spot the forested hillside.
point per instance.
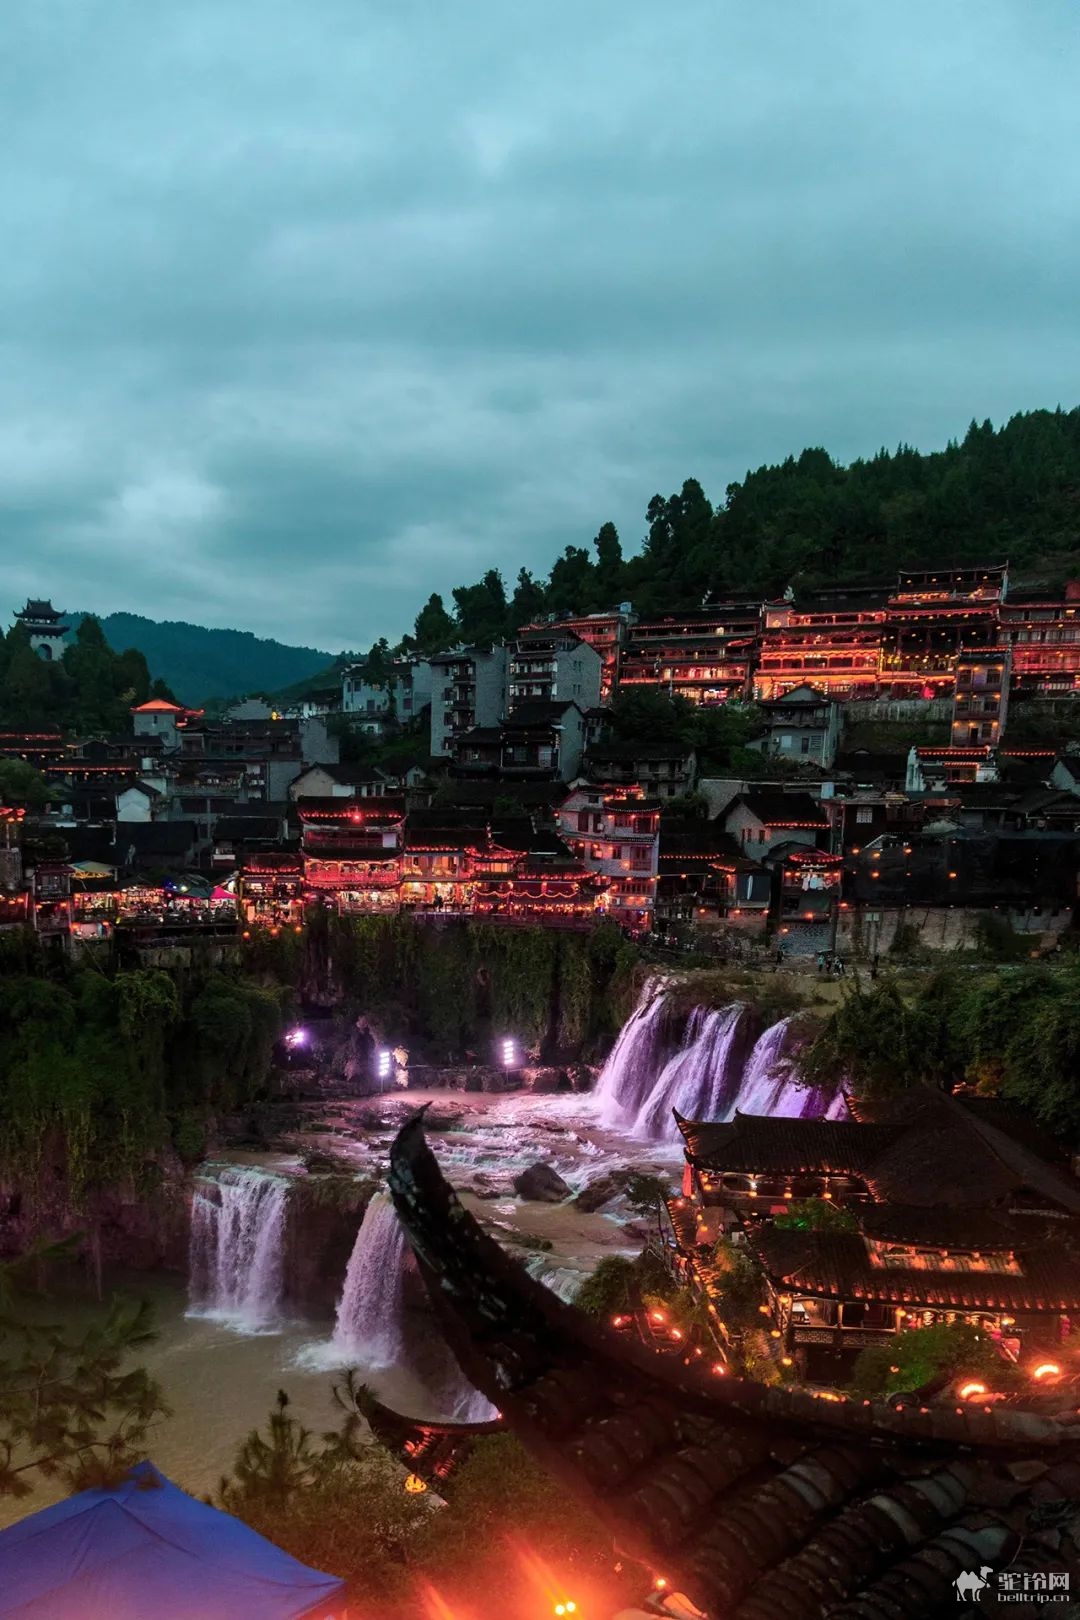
(1009, 493)
(198, 663)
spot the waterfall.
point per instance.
(702, 1080)
(712, 1073)
(236, 1248)
(370, 1323)
(626, 1079)
(770, 1082)
(373, 1328)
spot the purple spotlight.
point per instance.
(296, 1037)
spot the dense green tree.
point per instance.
(609, 566)
(434, 629)
(91, 665)
(131, 677)
(71, 1406)
(922, 1356)
(571, 586)
(31, 693)
(22, 785)
(529, 601)
(645, 715)
(815, 1215)
(379, 663)
(481, 609)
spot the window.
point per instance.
(804, 745)
(864, 814)
(785, 739)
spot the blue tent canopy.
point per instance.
(147, 1549)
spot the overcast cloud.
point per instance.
(310, 309)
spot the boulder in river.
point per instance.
(602, 1190)
(541, 1184)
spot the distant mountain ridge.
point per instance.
(199, 664)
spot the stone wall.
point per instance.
(862, 931)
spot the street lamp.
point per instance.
(383, 1065)
(296, 1037)
(508, 1053)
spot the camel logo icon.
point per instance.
(970, 1583)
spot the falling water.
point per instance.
(712, 1073)
(370, 1322)
(702, 1080)
(626, 1078)
(236, 1248)
(373, 1327)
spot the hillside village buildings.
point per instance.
(521, 805)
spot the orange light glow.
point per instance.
(658, 1316)
(1046, 1369)
(660, 1583)
(969, 1391)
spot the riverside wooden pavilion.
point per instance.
(961, 1213)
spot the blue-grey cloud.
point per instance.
(307, 311)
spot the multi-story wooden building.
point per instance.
(606, 632)
(956, 1211)
(615, 832)
(706, 657)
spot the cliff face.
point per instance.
(140, 1223)
(323, 1216)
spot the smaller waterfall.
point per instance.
(373, 1325)
(627, 1078)
(236, 1248)
(371, 1311)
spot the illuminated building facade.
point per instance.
(352, 851)
(948, 1219)
(1043, 630)
(980, 697)
(835, 649)
(615, 833)
(270, 889)
(705, 657)
(553, 664)
(606, 633)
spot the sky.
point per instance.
(309, 310)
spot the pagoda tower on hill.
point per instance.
(46, 631)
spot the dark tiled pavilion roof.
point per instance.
(837, 1265)
(935, 1153)
(756, 1502)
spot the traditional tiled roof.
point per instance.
(536, 714)
(755, 1502)
(935, 1153)
(837, 1265)
(988, 1230)
(756, 1143)
(776, 808)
